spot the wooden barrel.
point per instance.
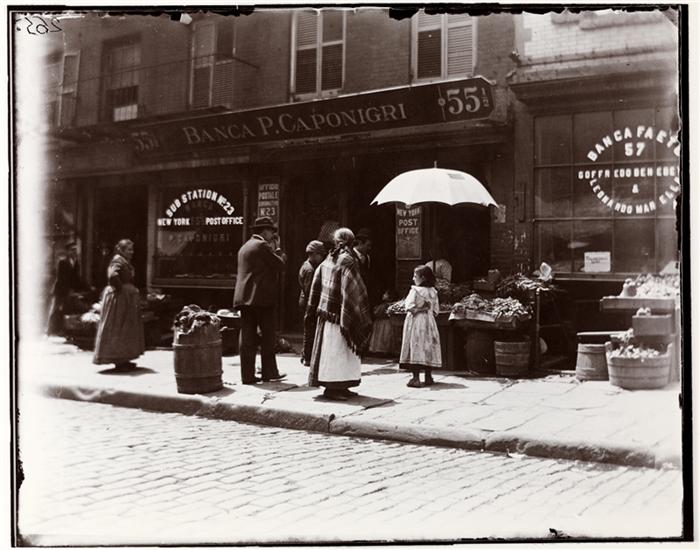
(198, 361)
(479, 351)
(639, 374)
(512, 358)
(591, 363)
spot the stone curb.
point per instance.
(467, 439)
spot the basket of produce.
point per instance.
(397, 313)
(197, 351)
(635, 367)
(507, 312)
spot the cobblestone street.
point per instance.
(96, 474)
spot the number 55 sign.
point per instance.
(465, 99)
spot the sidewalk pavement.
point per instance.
(554, 417)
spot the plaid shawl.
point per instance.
(338, 295)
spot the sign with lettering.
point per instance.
(198, 232)
(408, 233)
(269, 199)
(596, 262)
(638, 182)
(457, 100)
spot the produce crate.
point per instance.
(622, 303)
(480, 316)
(652, 325)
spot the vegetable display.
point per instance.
(658, 286)
(635, 352)
(499, 308)
(192, 317)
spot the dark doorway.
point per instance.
(121, 212)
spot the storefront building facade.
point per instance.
(177, 135)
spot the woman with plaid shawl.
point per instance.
(338, 296)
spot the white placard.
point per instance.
(596, 262)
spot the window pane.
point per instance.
(633, 192)
(589, 130)
(667, 243)
(667, 188)
(552, 245)
(590, 236)
(332, 22)
(634, 245)
(642, 149)
(332, 67)
(306, 71)
(666, 119)
(429, 60)
(593, 188)
(224, 38)
(553, 193)
(553, 140)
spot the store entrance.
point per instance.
(120, 213)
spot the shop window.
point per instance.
(121, 81)
(443, 46)
(606, 183)
(213, 47)
(62, 79)
(319, 52)
(199, 230)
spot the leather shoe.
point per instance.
(251, 382)
(278, 376)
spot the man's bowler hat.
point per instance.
(264, 223)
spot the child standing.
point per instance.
(383, 340)
(420, 349)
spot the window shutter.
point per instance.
(429, 58)
(223, 84)
(200, 87)
(426, 21)
(307, 28)
(332, 67)
(306, 53)
(70, 72)
(460, 50)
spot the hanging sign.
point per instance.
(269, 199)
(636, 184)
(408, 233)
(452, 101)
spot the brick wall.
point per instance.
(378, 50)
(595, 32)
(495, 41)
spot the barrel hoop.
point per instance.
(213, 344)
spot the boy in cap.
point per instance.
(316, 252)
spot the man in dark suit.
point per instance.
(260, 260)
(68, 281)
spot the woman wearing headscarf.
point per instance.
(315, 251)
(338, 297)
(120, 335)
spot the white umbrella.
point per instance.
(434, 185)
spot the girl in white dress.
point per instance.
(420, 349)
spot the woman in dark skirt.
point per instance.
(120, 335)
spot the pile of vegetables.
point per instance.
(449, 293)
(635, 352)
(658, 286)
(498, 307)
(192, 317)
(397, 307)
(519, 285)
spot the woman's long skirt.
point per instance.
(120, 335)
(333, 364)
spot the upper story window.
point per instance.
(122, 63)
(62, 78)
(319, 52)
(213, 48)
(443, 46)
